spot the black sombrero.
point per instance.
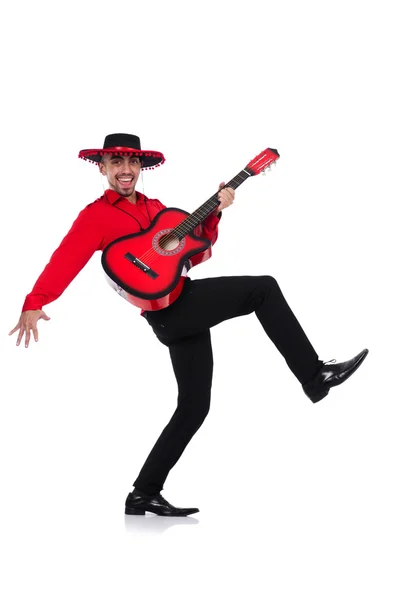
(124, 144)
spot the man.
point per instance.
(183, 326)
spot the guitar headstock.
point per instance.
(263, 161)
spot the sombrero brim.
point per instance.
(152, 158)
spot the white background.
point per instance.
(296, 500)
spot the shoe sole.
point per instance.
(320, 396)
(134, 511)
(141, 511)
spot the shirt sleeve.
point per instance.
(73, 253)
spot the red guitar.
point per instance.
(146, 268)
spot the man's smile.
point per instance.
(125, 181)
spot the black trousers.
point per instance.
(184, 327)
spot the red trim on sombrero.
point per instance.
(121, 151)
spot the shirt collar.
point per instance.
(113, 196)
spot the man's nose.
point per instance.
(127, 165)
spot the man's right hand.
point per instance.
(27, 323)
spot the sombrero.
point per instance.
(124, 144)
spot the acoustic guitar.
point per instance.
(147, 268)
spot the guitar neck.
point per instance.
(198, 216)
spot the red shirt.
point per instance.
(98, 224)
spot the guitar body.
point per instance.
(145, 268)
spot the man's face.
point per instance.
(122, 172)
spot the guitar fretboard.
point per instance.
(205, 209)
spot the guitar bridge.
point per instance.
(141, 265)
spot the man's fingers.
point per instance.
(227, 196)
(20, 336)
(27, 326)
(225, 192)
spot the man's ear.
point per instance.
(102, 168)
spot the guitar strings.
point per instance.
(184, 227)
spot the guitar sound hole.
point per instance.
(168, 242)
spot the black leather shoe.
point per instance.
(329, 376)
(138, 503)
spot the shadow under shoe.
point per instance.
(331, 375)
(137, 503)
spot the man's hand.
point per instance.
(27, 323)
(225, 196)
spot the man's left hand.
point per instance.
(225, 196)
